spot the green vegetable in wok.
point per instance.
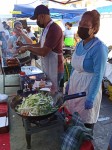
(36, 105)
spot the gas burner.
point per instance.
(44, 122)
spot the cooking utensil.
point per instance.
(18, 100)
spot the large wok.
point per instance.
(18, 100)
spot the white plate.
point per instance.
(47, 84)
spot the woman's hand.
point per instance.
(88, 105)
(20, 31)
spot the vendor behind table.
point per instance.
(20, 35)
(49, 47)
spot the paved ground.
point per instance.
(103, 129)
(50, 139)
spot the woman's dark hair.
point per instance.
(68, 23)
(95, 17)
(28, 28)
(5, 25)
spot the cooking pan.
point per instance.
(58, 103)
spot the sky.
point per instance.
(7, 5)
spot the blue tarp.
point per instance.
(66, 14)
(27, 11)
(74, 20)
(105, 9)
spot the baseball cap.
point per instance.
(40, 9)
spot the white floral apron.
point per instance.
(79, 82)
(49, 63)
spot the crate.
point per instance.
(10, 80)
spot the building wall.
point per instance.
(105, 32)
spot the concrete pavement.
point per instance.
(103, 128)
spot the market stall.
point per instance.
(34, 102)
(9, 67)
(41, 111)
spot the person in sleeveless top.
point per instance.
(49, 47)
(88, 63)
(69, 35)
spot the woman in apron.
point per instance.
(88, 62)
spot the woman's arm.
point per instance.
(99, 62)
(25, 36)
(10, 46)
(9, 43)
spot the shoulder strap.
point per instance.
(97, 41)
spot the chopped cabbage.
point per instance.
(36, 105)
